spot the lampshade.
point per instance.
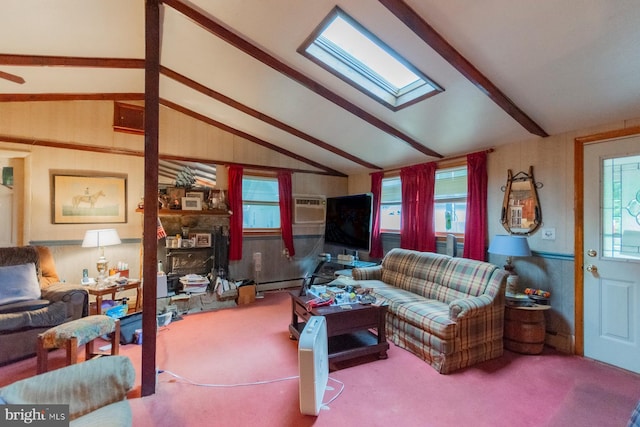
(100, 238)
(510, 245)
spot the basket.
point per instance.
(164, 319)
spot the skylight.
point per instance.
(347, 50)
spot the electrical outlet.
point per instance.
(548, 234)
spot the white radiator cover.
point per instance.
(313, 364)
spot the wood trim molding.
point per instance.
(269, 60)
(578, 247)
(430, 36)
(578, 273)
(612, 134)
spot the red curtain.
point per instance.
(286, 207)
(376, 238)
(235, 220)
(475, 231)
(417, 230)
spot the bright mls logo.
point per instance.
(35, 415)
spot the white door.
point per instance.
(612, 252)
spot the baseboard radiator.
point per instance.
(275, 286)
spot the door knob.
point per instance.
(592, 268)
(592, 253)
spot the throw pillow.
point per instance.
(18, 283)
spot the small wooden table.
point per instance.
(525, 328)
(99, 293)
(350, 331)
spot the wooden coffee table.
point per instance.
(353, 332)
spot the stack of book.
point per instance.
(194, 283)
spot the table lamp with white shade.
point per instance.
(510, 246)
(99, 239)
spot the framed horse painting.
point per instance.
(88, 197)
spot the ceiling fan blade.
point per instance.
(11, 77)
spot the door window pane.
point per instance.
(621, 207)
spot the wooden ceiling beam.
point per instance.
(134, 63)
(271, 61)
(140, 97)
(438, 43)
(11, 77)
(70, 61)
(263, 117)
(140, 153)
(247, 136)
(27, 97)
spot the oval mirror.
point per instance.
(521, 213)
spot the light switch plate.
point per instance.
(548, 234)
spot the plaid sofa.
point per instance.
(448, 311)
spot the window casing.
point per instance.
(260, 204)
(450, 202)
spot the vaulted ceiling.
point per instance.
(511, 71)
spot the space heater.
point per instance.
(313, 364)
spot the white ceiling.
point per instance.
(567, 65)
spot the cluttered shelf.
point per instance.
(162, 212)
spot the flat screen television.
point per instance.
(348, 221)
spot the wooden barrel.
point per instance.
(524, 330)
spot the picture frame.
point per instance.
(86, 197)
(191, 204)
(176, 193)
(196, 193)
(202, 240)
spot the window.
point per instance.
(260, 203)
(346, 49)
(450, 201)
(621, 207)
(390, 204)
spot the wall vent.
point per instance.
(309, 209)
(128, 118)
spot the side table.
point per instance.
(99, 293)
(524, 328)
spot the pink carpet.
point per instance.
(251, 344)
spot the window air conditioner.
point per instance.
(309, 209)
